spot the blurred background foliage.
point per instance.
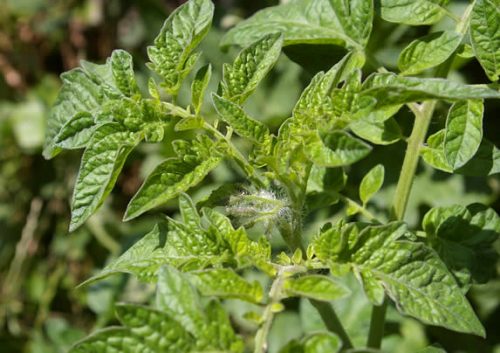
(41, 310)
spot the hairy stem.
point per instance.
(423, 116)
(269, 311)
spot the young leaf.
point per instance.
(486, 161)
(177, 298)
(225, 283)
(316, 287)
(428, 51)
(464, 132)
(371, 183)
(76, 133)
(464, 237)
(413, 12)
(377, 132)
(485, 36)
(309, 22)
(240, 79)
(119, 339)
(143, 259)
(175, 175)
(335, 149)
(183, 30)
(79, 93)
(199, 86)
(146, 330)
(322, 343)
(101, 164)
(411, 273)
(160, 332)
(123, 72)
(390, 89)
(242, 124)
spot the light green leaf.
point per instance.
(485, 36)
(182, 31)
(433, 152)
(413, 12)
(240, 79)
(178, 299)
(464, 237)
(160, 332)
(143, 259)
(79, 93)
(335, 149)
(378, 132)
(101, 164)
(322, 343)
(464, 132)
(428, 51)
(390, 89)
(146, 330)
(218, 334)
(242, 124)
(76, 133)
(309, 22)
(411, 273)
(316, 287)
(112, 339)
(486, 161)
(225, 283)
(175, 175)
(123, 72)
(371, 183)
(199, 86)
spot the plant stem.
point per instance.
(416, 140)
(269, 311)
(332, 322)
(423, 116)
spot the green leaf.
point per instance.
(428, 51)
(413, 12)
(143, 259)
(101, 164)
(316, 287)
(376, 131)
(225, 283)
(322, 343)
(123, 72)
(485, 36)
(199, 86)
(242, 124)
(218, 334)
(464, 237)
(309, 22)
(160, 332)
(433, 152)
(182, 31)
(464, 132)
(371, 183)
(77, 132)
(411, 273)
(175, 175)
(112, 339)
(486, 161)
(146, 330)
(79, 93)
(178, 299)
(390, 89)
(335, 149)
(240, 79)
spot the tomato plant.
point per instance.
(201, 258)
